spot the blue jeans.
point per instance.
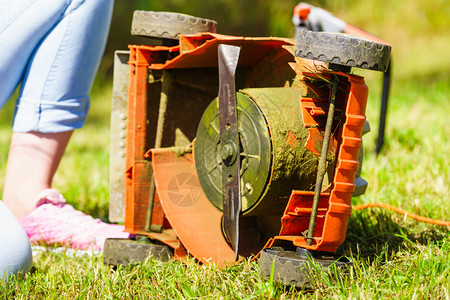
(15, 250)
(54, 48)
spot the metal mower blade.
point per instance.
(229, 143)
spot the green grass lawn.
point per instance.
(393, 257)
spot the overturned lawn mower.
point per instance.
(225, 147)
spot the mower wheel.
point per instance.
(168, 25)
(125, 251)
(342, 49)
(298, 267)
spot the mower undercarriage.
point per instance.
(221, 177)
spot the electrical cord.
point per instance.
(402, 212)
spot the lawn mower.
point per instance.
(226, 147)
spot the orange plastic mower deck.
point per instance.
(191, 223)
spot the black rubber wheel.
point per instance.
(168, 25)
(126, 251)
(297, 267)
(342, 49)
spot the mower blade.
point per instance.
(229, 143)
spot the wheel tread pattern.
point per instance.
(342, 49)
(286, 271)
(168, 25)
(290, 269)
(126, 251)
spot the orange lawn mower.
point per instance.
(227, 147)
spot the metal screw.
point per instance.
(226, 152)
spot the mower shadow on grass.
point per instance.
(371, 233)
